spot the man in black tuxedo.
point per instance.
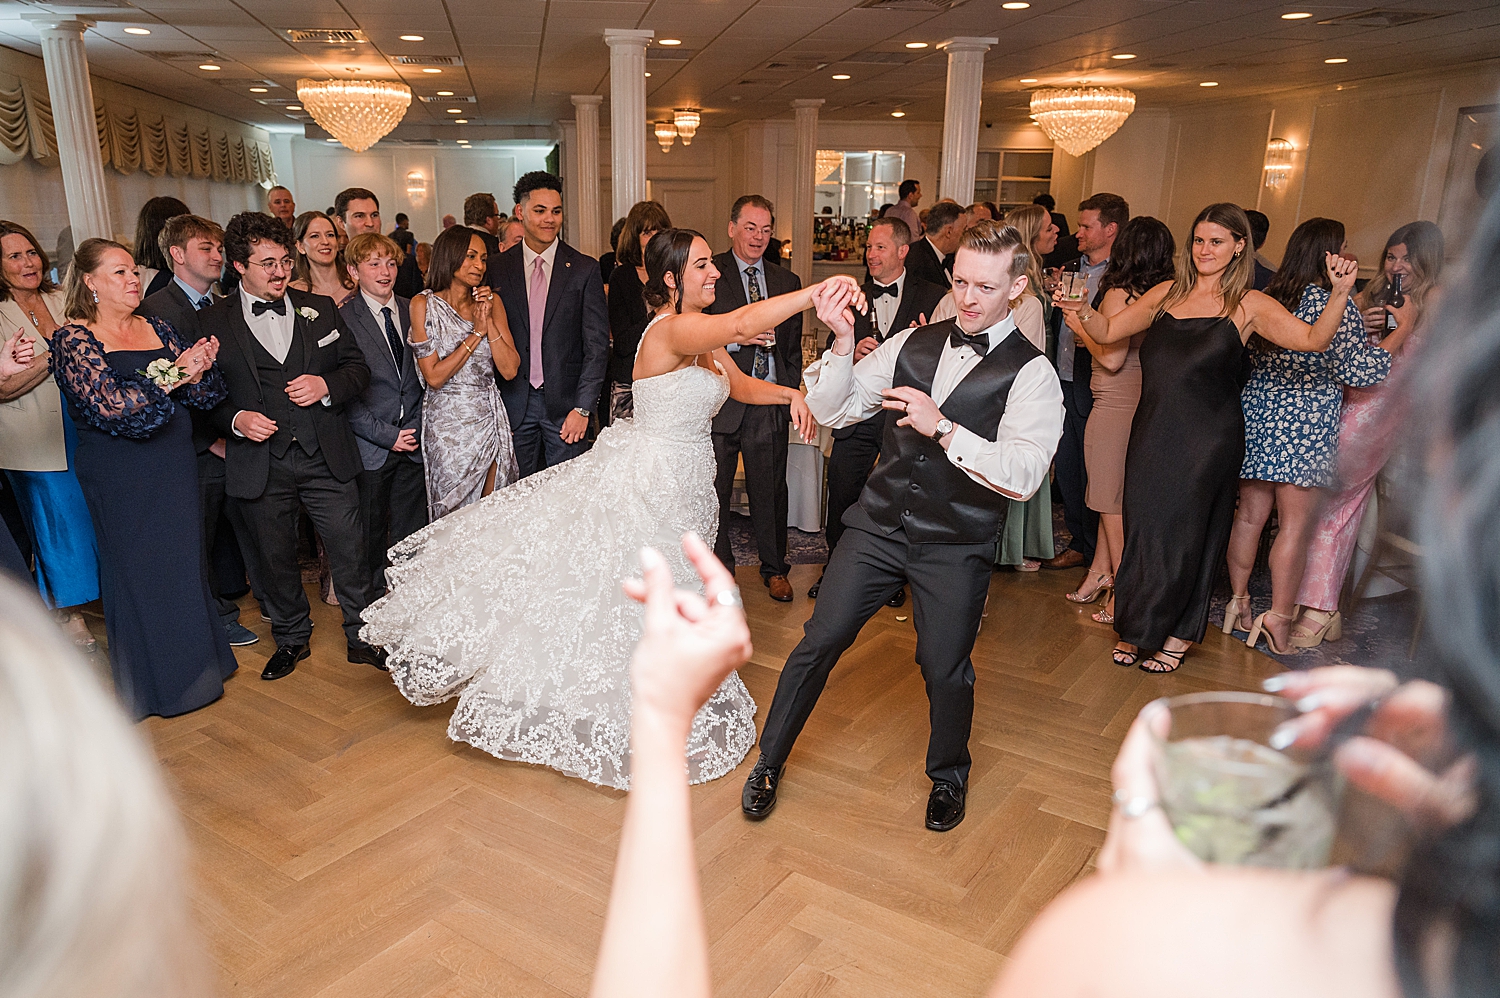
(897, 300)
(930, 257)
(387, 417)
(554, 301)
(756, 432)
(359, 212)
(195, 248)
(482, 214)
(292, 368)
(978, 413)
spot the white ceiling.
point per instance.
(520, 59)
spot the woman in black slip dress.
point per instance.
(1188, 437)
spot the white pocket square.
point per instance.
(329, 338)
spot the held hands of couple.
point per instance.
(689, 643)
(835, 301)
(406, 442)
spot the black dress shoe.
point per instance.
(945, 806)
(368, 655)
(812, 591)
(898, 598)
(281, 664)
(759, 795)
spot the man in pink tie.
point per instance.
(554, 301)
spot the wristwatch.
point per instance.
(583, 412)
(944, 427)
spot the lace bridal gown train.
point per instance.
(513, 604)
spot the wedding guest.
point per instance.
(125, 379)
(1067, 243)
(1187, 440)
(1100, 218)
(319, 269)
(1260, 227)
(1292, 404)
(402, 235)
(930, 257)
(387, 417)
(424, 258)
(195, 248)
(1368, 427)
(15, 355)
(482, 214)
(358, 210)
(608, 261)
(628, 314)
(461, 340)
(908, 196)
(511, 233)
(554, 303)
(152, 266)
(280, 205)
(291, 369)
(449, 222)
(1141, 258)
(756, 434)
(37, 440)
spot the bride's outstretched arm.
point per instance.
(693, 333)
(753, 391)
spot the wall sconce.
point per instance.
(1278, 163)
(687, 120)
(666, 134)
(416, 187)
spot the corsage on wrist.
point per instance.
(164, 373)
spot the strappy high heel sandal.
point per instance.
(1123, 657)
(1331, 628)
(1232, 613)
(1156, 663)
(1106, 613)
(1106, 583)
(1258, 629)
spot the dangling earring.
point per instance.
(96, 297)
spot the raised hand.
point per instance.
(17, 355)
(857, 299)
(918, 409)
(833, 303)
(1341, 272)
(483, 304)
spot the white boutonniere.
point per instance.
(163, 373)
(310, 314)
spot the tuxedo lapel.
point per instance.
(242, 332)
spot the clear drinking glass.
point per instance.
(1075, 286)
(1230, 797)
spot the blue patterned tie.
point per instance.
(203, 303)
(392, 336)
(761, 368)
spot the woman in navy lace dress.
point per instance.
(138, 470)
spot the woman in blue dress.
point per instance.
(1291, 404)
(123, 378)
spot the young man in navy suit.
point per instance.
(387, 417)
(554, 301)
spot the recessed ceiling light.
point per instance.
(1015, 6)
(460, 121)
(294, 107)
(1029, 79)
(209, 67)
(445, 93)
(1335, 62)
(138, 31)
(330, 140)
(1123, 55)
(840, 76)
(916, 45)
(1296, 15)
(898, 114)
(432, 69)
(670, 41)
(259, 90)
(1209, 83)
(648, 75)
(412, 38)
(455, 110)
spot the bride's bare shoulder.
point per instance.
(1224, 931)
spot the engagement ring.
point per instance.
(1133, 807)
(730, 597)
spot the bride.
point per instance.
(514, 604)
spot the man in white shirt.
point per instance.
(979, 413)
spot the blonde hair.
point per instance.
(91, 852)
(995, 238)
(78, 299)
(1031, 221)
(1236, 279)
(1424, 253)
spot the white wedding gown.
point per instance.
(513, 604)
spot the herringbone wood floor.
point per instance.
(345, 847)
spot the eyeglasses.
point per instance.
(272, 266)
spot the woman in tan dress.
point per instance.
(1141, 259)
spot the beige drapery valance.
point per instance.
(130, 141)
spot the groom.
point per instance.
(980, 413)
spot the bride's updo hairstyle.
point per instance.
(667, 253)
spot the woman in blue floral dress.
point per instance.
(1291, 404)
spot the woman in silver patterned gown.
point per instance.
(514, 605)
(460, 338)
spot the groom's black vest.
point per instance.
(915, 486)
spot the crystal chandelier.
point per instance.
(1079, 118)
(1278, 165)
(687, 120)
(666, 134)
(359, 113)
(826, 162)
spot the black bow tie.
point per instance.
(979, 342)
(278, 306)
(880, 292)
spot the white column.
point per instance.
(627, 117)
(587, 160)
(72, 98)
(804, 182)
(961, 115)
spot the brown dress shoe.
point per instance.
(781, 589)
(1068, 559)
